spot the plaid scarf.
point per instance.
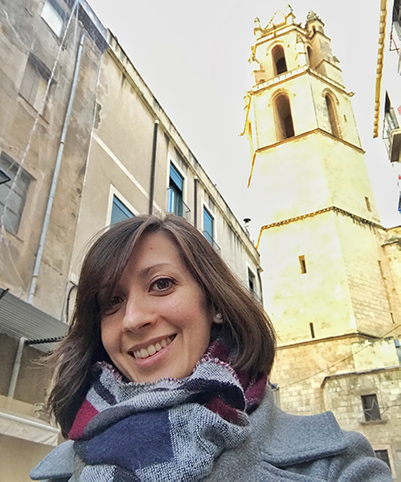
(168, 430)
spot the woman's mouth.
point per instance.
(154, 348)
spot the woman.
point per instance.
(163, 374)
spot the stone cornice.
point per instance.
(379, 64)
(328, 339)
(293, 74)
(335, 209)
(359, 373)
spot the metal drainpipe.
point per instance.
(56, 172)
(153, 168)
(16, 367)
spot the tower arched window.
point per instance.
(285, 125)
(332, 116)
(280, 65)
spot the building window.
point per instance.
(175, 193)
(12, 194)
(119, 212)
(302, 264)
(34, 82)
(312, 330)
(4, 177)
(383, 455)
(208, 226)
(399, 204)
(368, 205)
(54, 16)
(280, 65)
(332, 116)
(397, 17)
(370, 406)
(284, 118)
(251, 281)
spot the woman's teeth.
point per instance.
(152, 349)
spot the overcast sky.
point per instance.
(194, 57)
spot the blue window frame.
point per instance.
(119, 211)
(176, 186)
(208, 226)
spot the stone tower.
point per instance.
(328, 282)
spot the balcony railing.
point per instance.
(256, 296)
(211, 241)
(178, 207)
(392, 135)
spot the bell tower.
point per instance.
(305, 145)
(326, 277)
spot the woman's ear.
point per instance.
(218, 319)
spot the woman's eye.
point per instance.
(115, 300)
(162, 284)
(113, 303)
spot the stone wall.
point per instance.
(342, 394)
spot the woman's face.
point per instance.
(158, 324)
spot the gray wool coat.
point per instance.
(281, 447)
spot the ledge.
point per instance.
(374, 422)
(29, 429)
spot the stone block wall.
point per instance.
(342, 394)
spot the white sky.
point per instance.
(194, 57)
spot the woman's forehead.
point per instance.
(154, 250)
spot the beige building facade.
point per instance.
(331, 270)
(83, 144)
(387, 111)
(126, 142)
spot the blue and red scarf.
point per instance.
(168, 430)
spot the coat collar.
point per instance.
(58, 464)
(290, 439)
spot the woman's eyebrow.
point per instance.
(145, 271)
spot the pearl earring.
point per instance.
(218, 318)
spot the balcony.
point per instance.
(392, 135)
(206, 234)
(257, 297)
(177, 206)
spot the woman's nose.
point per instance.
(137, 315)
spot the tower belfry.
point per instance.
(327, 279)
(305, 145)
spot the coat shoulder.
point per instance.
(57, 465)
(315, 446)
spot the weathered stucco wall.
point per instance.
(31, 137)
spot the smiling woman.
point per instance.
(158, 323)
(163, 374)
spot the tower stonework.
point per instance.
(330, 286)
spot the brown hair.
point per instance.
(245, 323)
